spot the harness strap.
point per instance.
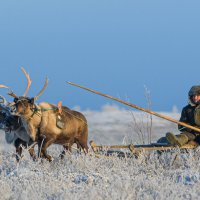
(59, 108)
(37, 108)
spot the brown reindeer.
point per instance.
(49, 124)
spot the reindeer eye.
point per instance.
(16, 100)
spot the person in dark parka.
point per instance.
(190, 115)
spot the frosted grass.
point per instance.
(173, 175)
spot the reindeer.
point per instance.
(16, 133)
(41, 123)
(13, 128)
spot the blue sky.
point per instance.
(115, 47)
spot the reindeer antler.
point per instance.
(28, 83)
(42, 90)
(3, 100)
(12, 94)
(3, 86)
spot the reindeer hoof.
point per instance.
(34, 158)
(49, 158)
(61, 156)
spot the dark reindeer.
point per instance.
(49, 124)
(14, 131)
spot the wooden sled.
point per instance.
(135, 150)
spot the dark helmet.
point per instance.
(195, 90)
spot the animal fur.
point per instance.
(40, 123)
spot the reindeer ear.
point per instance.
(32, 100)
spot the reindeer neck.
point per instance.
(32, 113)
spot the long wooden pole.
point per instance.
(137, 107)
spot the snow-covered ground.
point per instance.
(151, 176)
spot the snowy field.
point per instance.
(151, 176)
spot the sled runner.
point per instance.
(109, 150)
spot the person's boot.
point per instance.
(179, 140)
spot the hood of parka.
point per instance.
(194, 90)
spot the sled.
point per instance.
(135, 150)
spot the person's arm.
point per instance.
(184, 118)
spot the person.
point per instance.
(190, 115)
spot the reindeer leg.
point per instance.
(18, 145)
(84, 146)
(43, 147)
(78, 147)
(67, 147)
(32, 151)
(82, 141)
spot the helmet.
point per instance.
(195, 90)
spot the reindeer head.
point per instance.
(23, 104)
